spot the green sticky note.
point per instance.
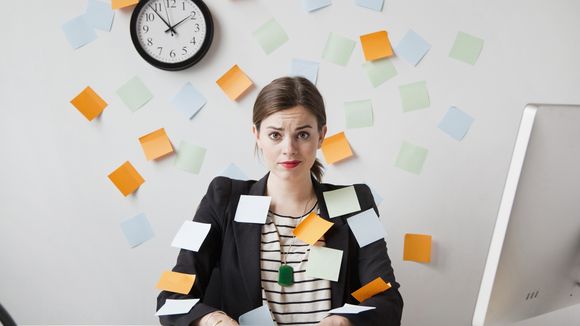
(270, 36)
(338, 49)
(189, 157)
(414, 96)
(379, 71)
(411, 157)
(324, 263)
(341, 201)
(134, 94)
(466, 48)
(358, 114)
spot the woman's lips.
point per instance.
(290, 164)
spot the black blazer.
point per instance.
(230, 255)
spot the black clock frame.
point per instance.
(178, 65)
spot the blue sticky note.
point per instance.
(188, 101)
(412, 48)
(456, 123)
(376, 5)
(78, 32)
(99, 15)
(137, 230)
(234, 172)
(366, 227)
(260, 316)
(304, 68)
(311, 5)
(378, 198)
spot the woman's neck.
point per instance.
(289, 197)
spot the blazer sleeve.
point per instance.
(210, 210)
(373, 261)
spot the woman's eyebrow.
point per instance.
(280, 128)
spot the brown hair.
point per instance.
(288, 92)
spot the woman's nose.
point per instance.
(289, 146)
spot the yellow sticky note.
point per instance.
(336, 148)
(376, 45)
(89, 103)
(370, 289)
(116, 4)
(156, 144)
(126, 178)
(176, 282)
(417, 248)
(312, 228)
(234, 82)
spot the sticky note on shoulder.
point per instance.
(417, 248)
(371, 289)
(234, 82)
(126, 178)
(176, 282)
(341, 201)
(89, 103)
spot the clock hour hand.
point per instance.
(164, 21)
(178, 23)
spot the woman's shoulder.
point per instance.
(226, 186)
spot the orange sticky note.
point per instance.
(336, 148)
(176, 282)
(89, 103)
(126, 178)
(312, 228)
(417, 248)
(234, 82)
(376, 45)
(156, 144)
(116, 4)
(370, 289)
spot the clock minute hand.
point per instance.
(166, 23)
(178, 23)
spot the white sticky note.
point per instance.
(175, 307)
(366, 227)
(305, 68)
(188, 100)
(258, 317)
(234, 172)
(350, 309)
(252, 209)
(191, 235)
(378, 198)
(99, 15)
(324, 263)
(341, 201)
(312, 5)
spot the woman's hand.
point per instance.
(217, 318)
(335, 320)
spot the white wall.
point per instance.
(62, 254)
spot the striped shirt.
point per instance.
(305, 302)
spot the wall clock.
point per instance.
(171, 34)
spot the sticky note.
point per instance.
(191, 235)
(252, 209)
(134, 94)
(341, 201)
(189, 157)
(312, 5)
(176, 307)
(350, 309)
(270, 36)
(411, 157)
(176, 282)
(335, 148)
(234, 82)
(137, 230)
(99, 15)
(379, 71)
(377, 197)
(156, 144)
(376, 45)
(260, 316)
(89, 103)
(412, 47)
(414, 96)
(338, 49)
(233, 171)
(78, 32)
(358, 114)
(417, 248)
(126, 178)
(366, 227)
(466, 48)
(456, 123)
(376, 5)
(312, 228)
(304, 68)
(188, 100)
(117, 4)
(324, 263)
(370, 289)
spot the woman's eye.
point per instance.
(274, 136)
(303, 135)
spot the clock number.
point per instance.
(149, 41)
(145, 28)
(192, 41)
(160, 48)
(184, 49)
(172, 5)
(157, 6)
(149, 17)
(197, 27)
(172, 53)
(183, 4)
(193, 13)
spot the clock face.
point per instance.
(171, 34)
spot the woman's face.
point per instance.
(288, 140)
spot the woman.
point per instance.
(253, 265)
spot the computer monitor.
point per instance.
(533, 263)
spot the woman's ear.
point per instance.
(322, 135)
(255, 132)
